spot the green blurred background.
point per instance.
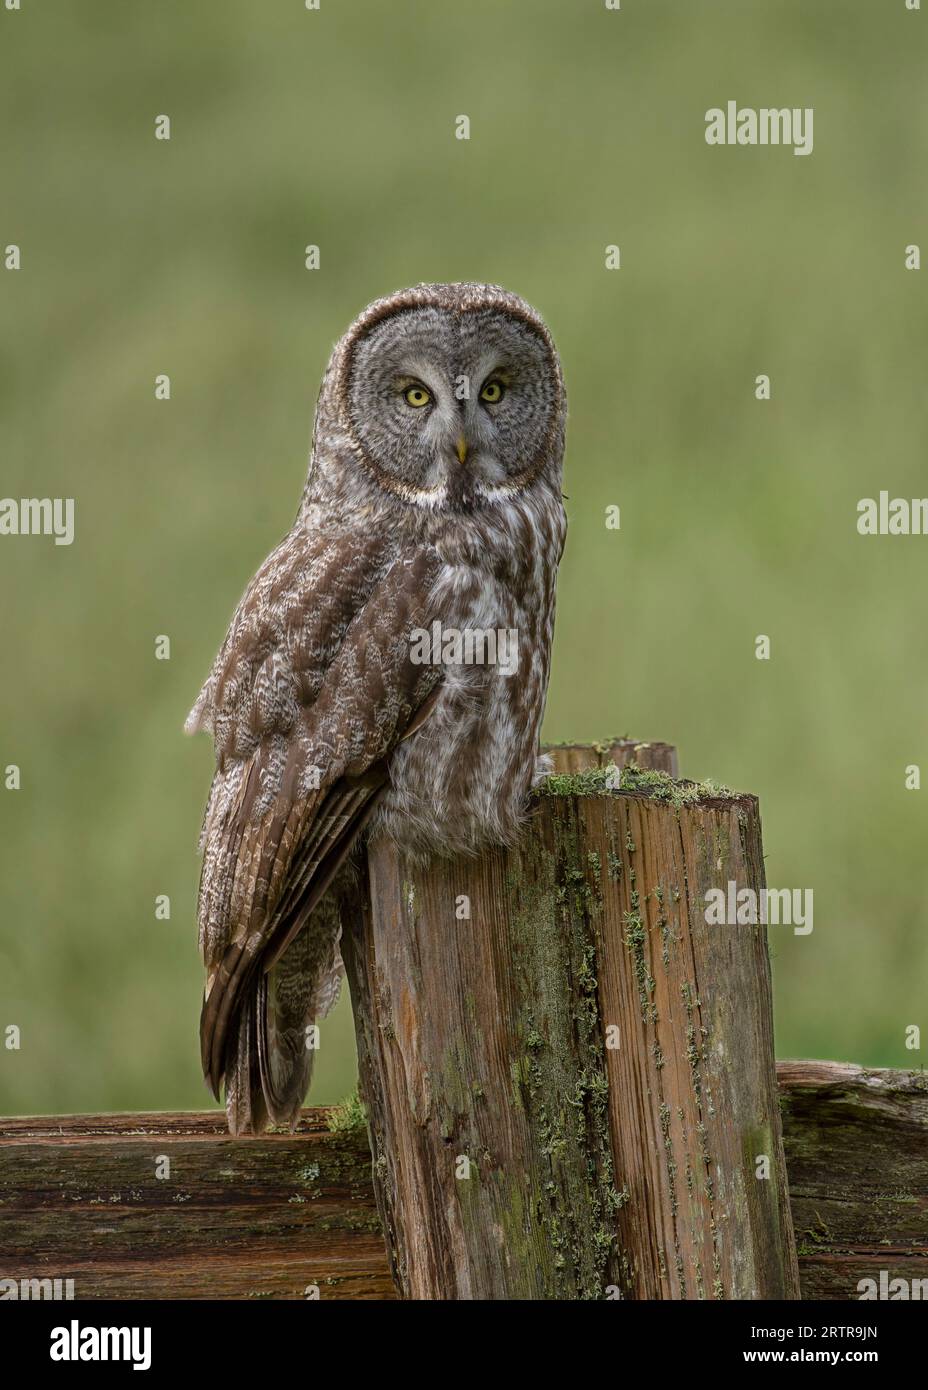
(336, 127)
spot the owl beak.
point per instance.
(460, 448)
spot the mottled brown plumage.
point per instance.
(326, 723)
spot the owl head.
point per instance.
(449, 396)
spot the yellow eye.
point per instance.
(417, 396)
(492, 392)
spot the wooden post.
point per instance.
(569, 1074)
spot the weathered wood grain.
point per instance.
(251, 1218)
(857, 1156)
(579, 757)
(267, 1217)
(518, 1153)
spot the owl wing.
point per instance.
(311, 693)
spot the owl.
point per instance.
(360, 690)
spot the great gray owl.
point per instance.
(432, 506)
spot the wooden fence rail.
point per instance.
(293, 1215)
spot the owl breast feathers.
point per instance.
(361, 688)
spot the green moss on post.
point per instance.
(568, 1088)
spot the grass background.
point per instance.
(738, 517)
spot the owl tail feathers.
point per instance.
(246, 1109)
(267, 1071)
(270, 1048)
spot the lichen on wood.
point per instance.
(571, 1088)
